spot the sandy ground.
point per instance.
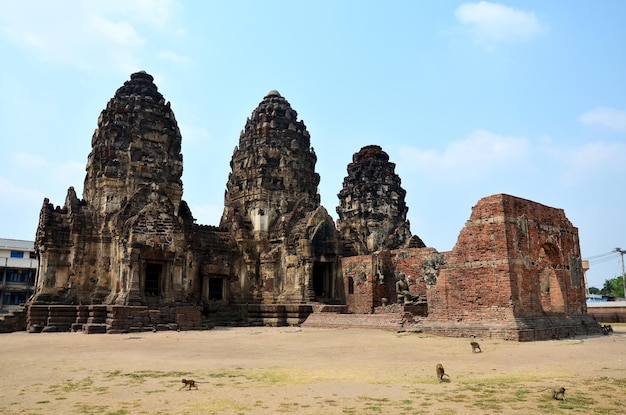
(306, 371)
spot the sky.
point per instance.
(469, 99)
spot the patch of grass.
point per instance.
(282, 376)
(218, 406)
(83, 408)
(155, 391)
(67, 386)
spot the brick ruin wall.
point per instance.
(370, 280)
(515, 272)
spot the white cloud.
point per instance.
(606, 117)
(89, 35)
(15, 195)
(480, 154)
(590, 163)
(173, 57)
(494, 22)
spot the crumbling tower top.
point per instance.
(372, 209)
(137, 144)
(273, 168)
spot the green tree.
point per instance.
(614, 287)
(594, 290)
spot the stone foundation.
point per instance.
(112, 319)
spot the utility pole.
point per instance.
(622, 252)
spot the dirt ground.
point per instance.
(275, 370)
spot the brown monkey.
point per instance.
(558, 394)
(188, 383)
(476, 346)
(441, 373)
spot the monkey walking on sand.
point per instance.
(441, 373)
(188, 383)
(475, 347)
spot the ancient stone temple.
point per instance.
(288, 244)
(372, 211)
(128, 255)
(126, 241)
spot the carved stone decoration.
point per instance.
(430, 268)
(372, 209)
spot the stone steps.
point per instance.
(14, 320)
(370, 321)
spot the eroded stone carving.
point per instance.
(372, 210)
(430, 268)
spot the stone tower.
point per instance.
(273, 170)
(126, 241)
(372, 211)
(137, 144)
(272, 208)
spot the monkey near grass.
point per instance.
(475, 347)
(558, 394)
(440, 372)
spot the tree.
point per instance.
(594, 290)
(614, 287)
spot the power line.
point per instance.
(596, 257)
(603, 260)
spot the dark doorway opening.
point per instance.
(216, 288)
(322, 272)
(153, 280)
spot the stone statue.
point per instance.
(402, 289)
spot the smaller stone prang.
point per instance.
(372, 209)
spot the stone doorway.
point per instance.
(322, 280)
(214, 289)
(152, 285)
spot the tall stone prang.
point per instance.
(137, 143)
(125, 242)
(273, 170)
(372, 210)
(272, 208)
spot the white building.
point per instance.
(17, 272)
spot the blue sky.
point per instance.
(468, 99)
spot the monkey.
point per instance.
(440, 372)
(188, 383)
(557, 394)
(476, 346)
